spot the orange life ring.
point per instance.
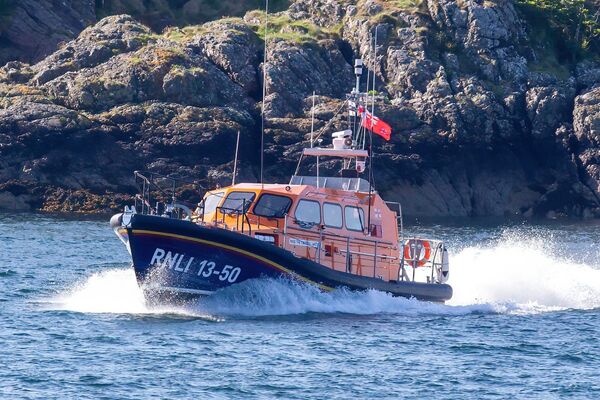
(411, 255)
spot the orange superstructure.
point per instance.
(326, 225)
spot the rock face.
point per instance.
(479, 128)
(33, 28)
(586, 123)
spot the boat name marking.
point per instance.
(304, 243)
(205, 268)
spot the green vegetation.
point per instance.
(283, 27)
(184, 34)
(147, 38)
(561, 31)
(180, 70)
(159, 14)
(391, 8)
(548, 61)
(189, 32)
(135, 60)
(402, 5)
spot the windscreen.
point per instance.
(272, 206)
(238, 202)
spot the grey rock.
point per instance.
(321, 12)
(94, 46)
(235, 49)
(475, 131)
(547, 107)
(34, 28)
(587, 74)
(158, 71)
(294, 72)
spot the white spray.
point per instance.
(511, 276)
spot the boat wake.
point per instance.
(510, 276)
(518, 274)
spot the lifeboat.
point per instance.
(329, 231)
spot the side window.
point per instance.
(211, 202)
(272, 206)
(235, 202)
(355, 218)
(308, 211)
(332, 215)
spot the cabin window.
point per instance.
(332, 215)
(272, 206)
(355, 218)
(308, 211)
(235, 202)
(211, 202)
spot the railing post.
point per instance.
(433, 261)
(203, 209)
(348, 258)
(375, 260)
(143, 196)
(414, 244)
(174, 200)
(243, 214)
(319, 246)
(402, 271)
(285, 218)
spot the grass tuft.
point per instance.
(283, 27)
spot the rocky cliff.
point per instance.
(487, 120)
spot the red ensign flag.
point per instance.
(376, 125)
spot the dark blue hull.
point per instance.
(176, 259)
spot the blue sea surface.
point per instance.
(524, 323)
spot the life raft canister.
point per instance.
(417, 250)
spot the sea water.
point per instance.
(524, 322)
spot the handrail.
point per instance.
(343, 237)
(157, 175)
(236, 211)
(399, 218)
(437, 247)
(361, 253)
(148, 184)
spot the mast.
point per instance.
(371, 135)
(358, 69)
(264, 94)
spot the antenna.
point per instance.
(358, 63)
(237, 148)
(312, 119)
(264, 94)
(374, 72)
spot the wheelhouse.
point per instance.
(328, 223)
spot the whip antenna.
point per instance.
(312, 120)
(237, 148)
(264, 94)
